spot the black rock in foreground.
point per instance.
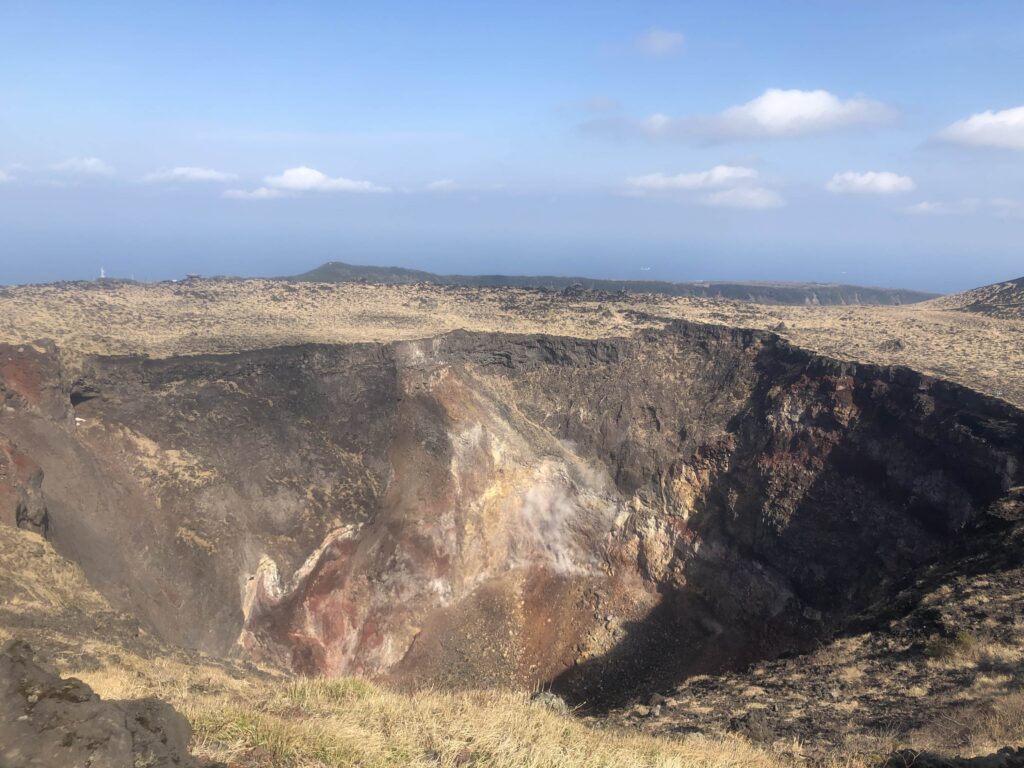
(49, 721)
(1004, 758)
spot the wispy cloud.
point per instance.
(443, 185)
(751, 198)
(261, 193)
(1003, 129)
(930, 208)
(297, 181)
(719, 176)
(89, 166)
(774, 114)
(660, 42)
(999, 207)
(5, 178)
(870, 183)
(188, 173)
(737, 187)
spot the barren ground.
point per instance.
(205, 316)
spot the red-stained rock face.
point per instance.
(490, 509)
(31, 379)
(31, 384)
(21, 496)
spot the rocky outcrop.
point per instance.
(488, 508)
(21, 491)
(48, 721)
(31, 382)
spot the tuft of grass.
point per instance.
(939, 647)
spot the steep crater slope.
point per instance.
(484, 508)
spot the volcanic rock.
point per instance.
(47, 721)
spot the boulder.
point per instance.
(48, 721)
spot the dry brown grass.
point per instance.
(223, 316)
(978, 729)
(319, 723)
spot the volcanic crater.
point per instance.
(604, 517)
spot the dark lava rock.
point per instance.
(574, 291)
(754, 725)
(1004, 758)
(48, 721)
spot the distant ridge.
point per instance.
(760, 292)
(1004, 300)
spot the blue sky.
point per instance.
(868, 142)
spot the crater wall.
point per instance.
(495, 509)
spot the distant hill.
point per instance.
(760, 292)
(997, 300)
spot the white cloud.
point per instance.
(5, 177)
(660, 42)
(189, 173)
(296, 181)
(1003, 129)
(1000, 207)
(91, 166)
(776, 113)
(261, 193)
(305, 179)
(793, 112)
(752, 198)
(870, 182)
(719, 176)
(737, 187)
